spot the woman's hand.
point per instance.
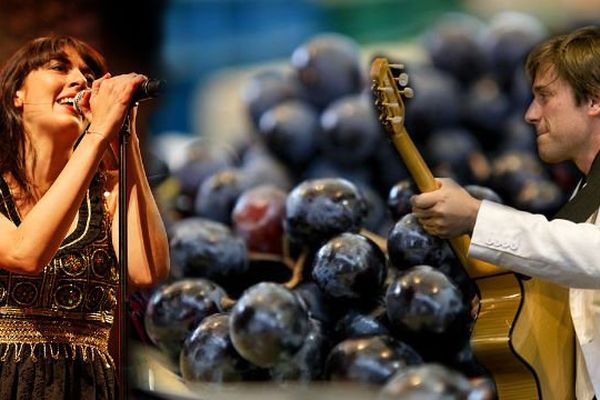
(108, 102)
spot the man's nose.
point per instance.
(532, 113)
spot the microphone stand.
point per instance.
(151, 88)
(123, 277)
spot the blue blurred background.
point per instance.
(187, 41)
(203, 36)
(200, 37)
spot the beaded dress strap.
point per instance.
(7, 205)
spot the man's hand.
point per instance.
(447, 212)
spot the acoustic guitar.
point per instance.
(523, 333)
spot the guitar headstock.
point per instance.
(389, 87)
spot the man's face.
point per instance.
(562, 127)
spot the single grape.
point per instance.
(218, 193)
(429, 311)
(350, 267)
(290, 130)
(268, 324)
(398, 200)
(369, 360)
(175, 310)
(328, 67)
(266, 89)
(409, 244)
(350, 130)
(208, 354)
(258, 218)
(318, 209)
(207, 249)
(426, 381)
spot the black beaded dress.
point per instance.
(54, 327)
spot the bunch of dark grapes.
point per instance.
(295, 253)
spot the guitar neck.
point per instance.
(425, 181)
(391, 106)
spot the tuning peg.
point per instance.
(399, 67)
(395, 120)
(407, 92)
(386, 89)
(402, 79)
(390, 104)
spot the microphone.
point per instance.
(148, 89)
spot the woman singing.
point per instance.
(59, 272)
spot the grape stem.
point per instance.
(298, 269)
(380, 241)
(297, 266)
(227, 303)
(259, 256)
(285, 248)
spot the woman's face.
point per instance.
(46, 98)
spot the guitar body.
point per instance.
(523, 334)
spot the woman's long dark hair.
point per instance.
(31, 56)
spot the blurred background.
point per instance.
(187, 42)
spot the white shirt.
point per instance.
(558, 251)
